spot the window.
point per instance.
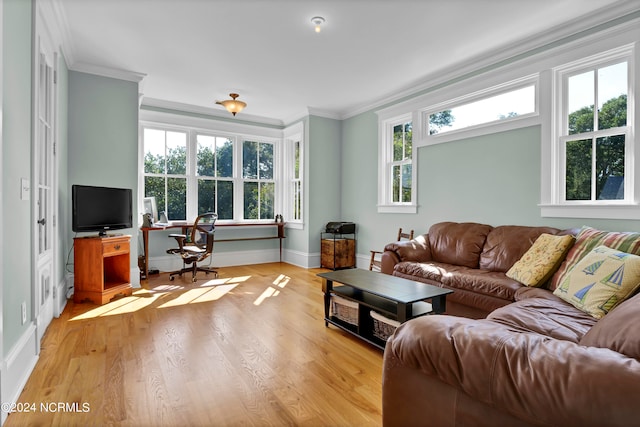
(594, 132)
(259, 183)
(165, 171)
(293, 175)
(296, 183)
(396, 170)
(214, 171)
(504, 106)
(401, 163)
(592, 150)
(192, 171)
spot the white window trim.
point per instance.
(385, 153)
(291, 135)
(552, 197)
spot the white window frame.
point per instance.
(554, 203)
(386, 162)
(293, 135)
(240, 180)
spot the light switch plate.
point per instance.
(25, 189)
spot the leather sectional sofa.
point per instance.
(539, 357)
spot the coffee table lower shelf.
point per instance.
(394, 298)
(367, 302)
(353, 330)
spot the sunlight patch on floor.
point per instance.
(281, 281)
(130, 304)
(198, 295)
(210, 290)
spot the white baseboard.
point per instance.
(228, 259)
(60, 301)
(301, 259)
(17, 367)
(363, 261)
(219, 259)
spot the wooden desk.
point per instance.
(185, 226)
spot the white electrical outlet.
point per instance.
(24, 313)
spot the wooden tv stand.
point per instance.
(101, 268)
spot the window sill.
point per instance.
(628, 211)
(408, 209)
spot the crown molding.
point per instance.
(114, 73)
(511, 52)
(214, 113)
(328, 114)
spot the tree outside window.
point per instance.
(259, 184)
(165, 168)
(401, 165)
(214, 171)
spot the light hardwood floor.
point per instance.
(249, 348)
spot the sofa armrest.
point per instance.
(529, 376)
(416, 250)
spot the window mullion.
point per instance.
(594, 180)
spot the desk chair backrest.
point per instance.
(202, 231)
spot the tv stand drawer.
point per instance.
(115, 246)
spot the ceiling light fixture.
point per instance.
(233, 105)
(317, 22)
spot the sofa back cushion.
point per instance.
(458, 243)
(588, 239)
(507, 243)
(618, 330)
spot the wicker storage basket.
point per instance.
(344, 309)
(383, 327)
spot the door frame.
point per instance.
(42, 36)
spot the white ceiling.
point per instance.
(195, 52)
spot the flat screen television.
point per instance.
(100, 209)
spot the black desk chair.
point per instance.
(197, 248)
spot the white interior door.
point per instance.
(43, 190)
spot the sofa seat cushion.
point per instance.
(432, 271)
(550, 317)
(490, 283)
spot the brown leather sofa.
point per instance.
(533, 361)
(469, 258)
(536, 362)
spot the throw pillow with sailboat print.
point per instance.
(601, 280)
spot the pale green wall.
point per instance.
(16, 164)
(359, 181)
(324, 178)
(103, 138)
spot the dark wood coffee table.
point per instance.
(394, 297)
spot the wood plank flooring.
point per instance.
(249, 348)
